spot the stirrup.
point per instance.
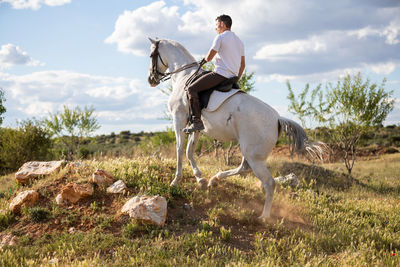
(195, 126)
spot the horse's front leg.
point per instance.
(180, 148)
(193, 138)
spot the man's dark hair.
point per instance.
(226, 19)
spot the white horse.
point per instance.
(254, 124)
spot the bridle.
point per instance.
(155, 73)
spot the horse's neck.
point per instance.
(178, 58)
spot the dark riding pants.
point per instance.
(205, 82)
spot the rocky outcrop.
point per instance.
(102, 178)
(34, 169)
(25, 198)
(290, 179)
(147, 209)
(117, 187)
(7, 240)
(74, 166)
(73, 192)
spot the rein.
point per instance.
(155, 55)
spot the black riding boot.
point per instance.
(197, 124)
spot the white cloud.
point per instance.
(383, 68)
(320, 77)
(35, 4)
(11, 55)
(297, 47)
(390, 32)
(288, 38)
(133, 27)
(114, 98)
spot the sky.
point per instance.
(96, 53)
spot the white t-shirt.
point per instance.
(230, 50)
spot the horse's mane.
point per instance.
(180, 47)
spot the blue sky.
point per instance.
(81, 52)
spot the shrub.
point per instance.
(38, 214)
(5, 220)
(225, 234)
(83, 153)
(26, 143)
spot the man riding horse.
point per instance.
(229, 62)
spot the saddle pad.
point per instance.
(217, 98)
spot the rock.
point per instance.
(147, 209)
(102, 178)
(207, 201)
(74, 192)
(34, 169)
(27, 198)
(117, 187)
(73, 166)
(188, 206)
(290, 179)
(59, 199)
(7, 240)
(53, 261)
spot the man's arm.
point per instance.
(242, 66)
(210, 55)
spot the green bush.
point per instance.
(83, 153)
(26, 143)
(5, 220)
(37, 214)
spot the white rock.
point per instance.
(147, 209)
(117, 187)
(102, 178)
(290, 179)
(26, 198)
(7, 240)
(34, 169)
(59, 199)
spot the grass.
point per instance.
(331, 220)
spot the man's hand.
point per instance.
(203, 61)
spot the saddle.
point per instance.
(225, 86)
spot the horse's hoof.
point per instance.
(263, 218)
(202, 183)
(174, 184)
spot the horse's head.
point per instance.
(158, 64)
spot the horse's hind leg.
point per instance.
(260, 169)
(193, 138)
(242, 169)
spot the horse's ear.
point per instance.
(151, 40)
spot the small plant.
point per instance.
(245, 216)
(225, 234)
(6, 219)
(131, 229)
(94, 206)
(205, 226)
(70, 219)
(104, 221)
(38, 214)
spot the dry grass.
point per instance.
(332, 220)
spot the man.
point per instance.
(229, 62)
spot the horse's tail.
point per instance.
(298, 140)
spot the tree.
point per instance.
(2, 107)
(350, 108)
(71, 125)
